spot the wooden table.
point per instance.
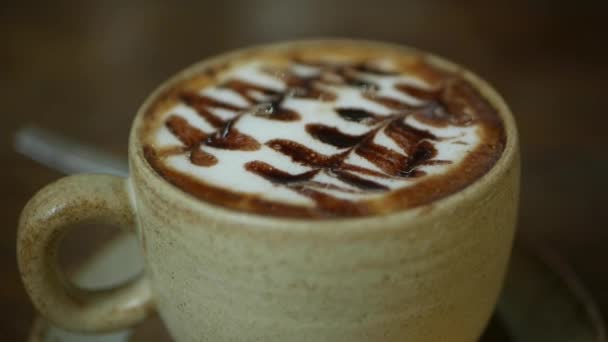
(83, 68)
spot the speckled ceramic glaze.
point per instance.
(431, 273)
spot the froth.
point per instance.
(328, 138)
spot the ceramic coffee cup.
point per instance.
(428, 273)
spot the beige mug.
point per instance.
(430, 273)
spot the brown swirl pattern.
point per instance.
(354, 190)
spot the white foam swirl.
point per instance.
(229, 172)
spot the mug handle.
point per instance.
(48, 216)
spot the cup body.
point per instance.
(430, 273)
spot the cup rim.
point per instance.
(221, 213)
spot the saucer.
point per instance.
(542, 300)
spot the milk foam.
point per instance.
(454, 142)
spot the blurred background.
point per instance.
(81, 68)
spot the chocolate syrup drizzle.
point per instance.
(448, 103)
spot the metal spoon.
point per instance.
(65, 155)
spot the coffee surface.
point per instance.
(322, 133)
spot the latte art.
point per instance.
(323, 137)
